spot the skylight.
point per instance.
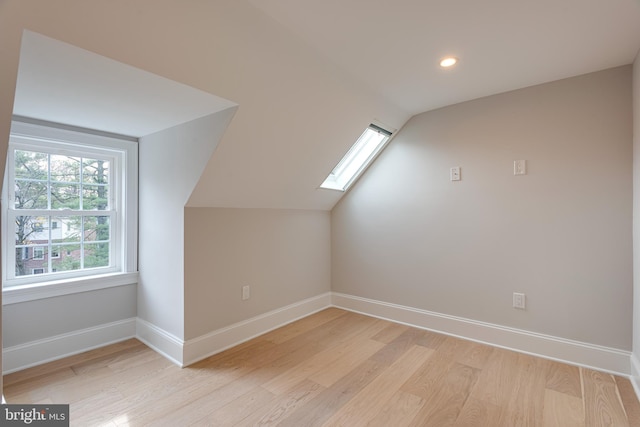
(366, 148)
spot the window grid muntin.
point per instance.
(48, 247)
(49, 181)
(115, 159)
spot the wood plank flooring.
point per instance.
(334, 368)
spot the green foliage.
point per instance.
(59, 182)
(96, 255)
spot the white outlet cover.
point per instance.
(454, 173)
(519, 167)
(519, 300)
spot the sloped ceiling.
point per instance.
(394, 46)
(61, 83)
(309, 76)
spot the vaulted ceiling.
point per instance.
(394, 46)
(57, 81)
(310, 75)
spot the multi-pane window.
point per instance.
(61, 202)
(65, 210)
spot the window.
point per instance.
(70, 202)
(361, 154)
(38, 253)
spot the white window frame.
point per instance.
(39, 249)
(123, 268)
(361, 154)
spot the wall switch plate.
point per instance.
(519, 300)
(519, 167)
(246, 293)
(454, 173)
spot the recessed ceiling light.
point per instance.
(448, 61)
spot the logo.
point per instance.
(35, 415)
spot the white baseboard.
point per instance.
(161, 341)
(550, 347)
(184, 353)
(173, 348)
(214, 342)
(635, 374)
(34, 353)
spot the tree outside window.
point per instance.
(58, 200)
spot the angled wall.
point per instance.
(295, 105)
(403, 231)
(561, 234)
(273, 155)
(171, 162)
(282, 255)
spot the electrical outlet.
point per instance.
(519, 167)
(246, 292)
(519, 301)
(454, 173)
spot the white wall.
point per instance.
(171, 162)
(232, 50)
(10, 52)
(561, 234)
(283, 255)
(31, 321)
(635, 365)
(293, 106)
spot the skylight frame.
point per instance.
(358, 158)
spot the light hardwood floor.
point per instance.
(334, 368)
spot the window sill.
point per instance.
(24, 293)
